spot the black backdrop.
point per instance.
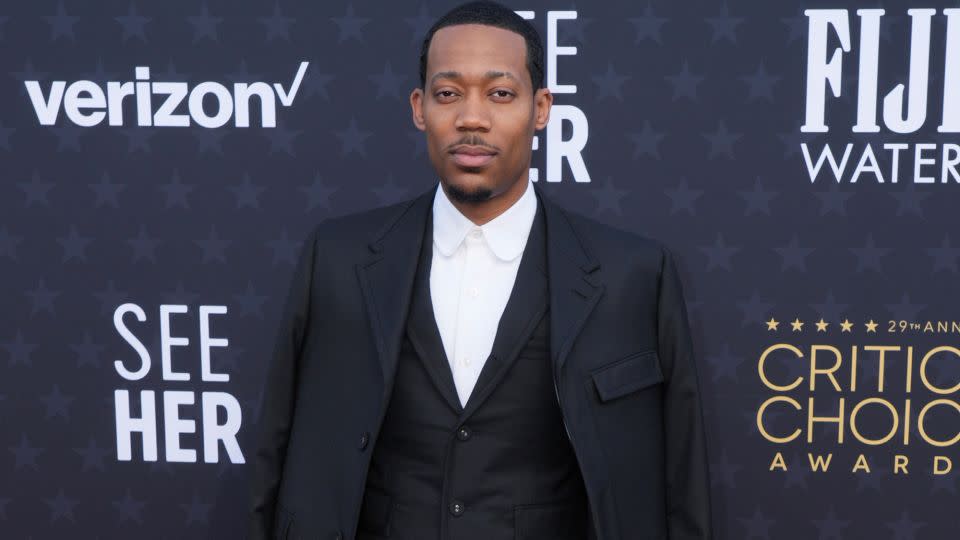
(689, 121)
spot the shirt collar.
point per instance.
(506, 234)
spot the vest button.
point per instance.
(456, 508)
(463, 433)
(364, 439)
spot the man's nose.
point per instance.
(473, 115)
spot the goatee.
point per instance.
(476, 195)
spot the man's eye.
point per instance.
(503, 93)
(444, 93)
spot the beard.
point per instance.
(475, 195)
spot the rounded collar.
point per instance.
(506, 234)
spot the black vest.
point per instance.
(499, 468)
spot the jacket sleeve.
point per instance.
(687, 473)
(279, 395)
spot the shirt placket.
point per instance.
(466, 343)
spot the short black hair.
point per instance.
(490, 14)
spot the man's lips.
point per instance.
(472, 156)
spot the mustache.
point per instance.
(473, 140)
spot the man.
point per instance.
(477, 363)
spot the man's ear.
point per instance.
(416, 108)
(542, 101)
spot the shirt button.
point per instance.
(474, 292)
(364, 439)
(456, 508)
(463, 433)
(475, 233)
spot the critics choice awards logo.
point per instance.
(851, 394)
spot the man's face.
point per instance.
(479, 110)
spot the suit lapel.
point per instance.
(423, 330)
(575, 283)
(387, 277)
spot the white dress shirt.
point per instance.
(471, 277)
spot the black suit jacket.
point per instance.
(621, 354)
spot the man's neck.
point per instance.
(482, 212)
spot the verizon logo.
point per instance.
(161, 103)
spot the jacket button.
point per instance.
(463, 433)
(364, 439)
(337, 536)
(456, 508)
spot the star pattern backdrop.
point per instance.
(694, 111)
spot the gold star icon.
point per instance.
(796, 324)
(871, 326)
(772, 324)
(822, 325)
(846, 325)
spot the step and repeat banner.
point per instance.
(162, 162)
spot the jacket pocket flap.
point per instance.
(628, 374)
